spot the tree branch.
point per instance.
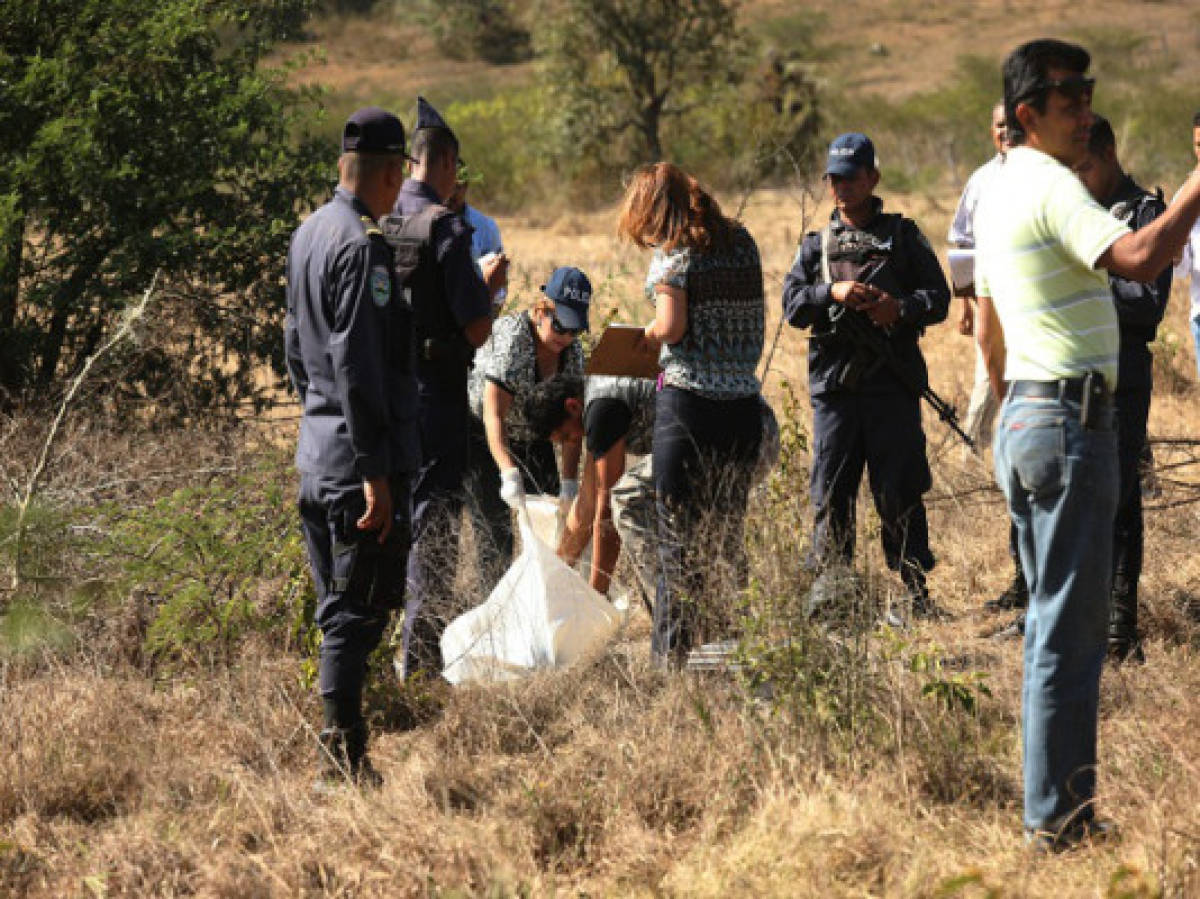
(132, 316)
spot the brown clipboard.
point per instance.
(617, 353)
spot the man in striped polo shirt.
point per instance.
(1048, 331)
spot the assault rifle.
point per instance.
(871, 342)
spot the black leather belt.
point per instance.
(1064, 389)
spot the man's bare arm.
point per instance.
(990, 337)
(1143, 254)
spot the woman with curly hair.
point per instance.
(706, 283)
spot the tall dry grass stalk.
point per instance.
(842, 761)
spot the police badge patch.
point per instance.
(381, 286)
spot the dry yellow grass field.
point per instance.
(611, 779)
(615, 780)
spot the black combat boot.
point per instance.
(917, 603)
(1124, 642)
(1015, 595)
(343, 759)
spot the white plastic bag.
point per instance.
(542, 614)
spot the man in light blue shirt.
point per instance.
(485, 233)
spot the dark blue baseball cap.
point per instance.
(850, 152)
(373, 130)
(571, 292)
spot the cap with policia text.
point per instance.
(373, 130)
(571, 292)
(850, 152)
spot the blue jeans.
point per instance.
(1061, 483)
(1196, 339)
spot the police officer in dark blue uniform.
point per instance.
(452, 312)
(348, 342)
(1140, 309)
(870, 263)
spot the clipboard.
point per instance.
(616, 353)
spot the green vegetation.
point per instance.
(475, 29)
(212, 565)
(137, 136)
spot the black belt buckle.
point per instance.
(1093, 404)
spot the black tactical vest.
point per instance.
(849, 254)
(876, 257)
(419, 279)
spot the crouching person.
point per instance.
(615, 506)
(615, 509)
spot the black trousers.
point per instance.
(703, 459)
(881, 432)
(1132, 403)
(359, 582)
(438, 498)
(491, 519)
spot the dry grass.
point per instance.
(613, 779)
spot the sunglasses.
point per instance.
(559, 328)
(1074, 87)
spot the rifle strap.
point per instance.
(826, 248)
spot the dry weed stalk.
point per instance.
(129, 321)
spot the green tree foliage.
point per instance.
(138, 135)
(214, 564)
(633, 81)
(480, 29)
(623, 69)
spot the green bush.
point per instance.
(215, 564)
(501, 139)
(480, 29)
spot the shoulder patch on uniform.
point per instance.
(381, 285)
(370, 226)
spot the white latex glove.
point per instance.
(512, 491)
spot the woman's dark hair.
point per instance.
(544, 408)
(1196, 119)
(666, 207)
(1025, 74)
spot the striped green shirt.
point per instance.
(1038, 236)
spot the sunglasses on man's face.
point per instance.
(559, 328)
(1073, 87)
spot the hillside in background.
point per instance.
(918, 77)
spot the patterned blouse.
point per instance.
(719, 352)
(509, 359)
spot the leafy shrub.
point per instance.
(502, 138)
(217, 563)
(481, 29)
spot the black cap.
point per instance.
(428, 117)
(373, 130)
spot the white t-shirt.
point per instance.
(962, 227)
(1189, 266)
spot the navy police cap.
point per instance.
(571, 292)
(373, 130)
(850, 152)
